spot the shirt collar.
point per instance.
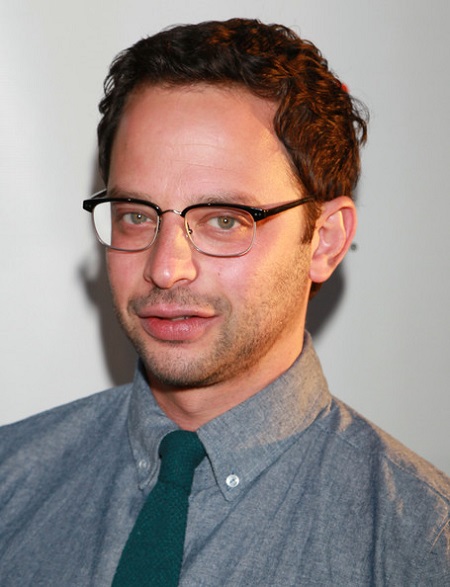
(147, 426)
(244, 441)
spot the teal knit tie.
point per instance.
(154, 551)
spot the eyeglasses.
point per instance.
(219, 230)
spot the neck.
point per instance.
(192, 408)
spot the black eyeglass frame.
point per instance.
(256, 213)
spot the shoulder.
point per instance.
(373, 448)
(58, 471)
(402, 497)
(73, 425)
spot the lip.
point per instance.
(176, 324)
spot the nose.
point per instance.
(171, 259)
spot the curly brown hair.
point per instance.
(321, 126)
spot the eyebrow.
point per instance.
(228, 198)
(218, 198)
(116, 192)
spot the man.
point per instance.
(230, 153)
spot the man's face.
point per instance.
(198, 320)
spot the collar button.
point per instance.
(232, 481)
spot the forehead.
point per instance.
(194, 135)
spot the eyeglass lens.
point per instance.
(214, 230)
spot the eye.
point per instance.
(223, 222)
(135, 218)
(131, 215)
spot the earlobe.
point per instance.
(333, 235)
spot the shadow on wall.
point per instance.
(326, 302)
(120, 356)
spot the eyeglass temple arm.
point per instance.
(271, 211)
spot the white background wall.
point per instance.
(384, 343)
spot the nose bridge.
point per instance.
(163, 212)
(178, 212)
(170, 258)
(173, 230)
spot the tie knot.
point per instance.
(181, 452)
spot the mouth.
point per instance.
(175, 325)
(177, 318)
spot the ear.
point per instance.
(333, 235)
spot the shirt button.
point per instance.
(142, 464)
(232, 481)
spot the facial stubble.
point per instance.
(240, 344)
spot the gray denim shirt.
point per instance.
(296, 490)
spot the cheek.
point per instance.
(123, 272)
(245, 281)
(233, 273)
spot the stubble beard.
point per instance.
(239, 345)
